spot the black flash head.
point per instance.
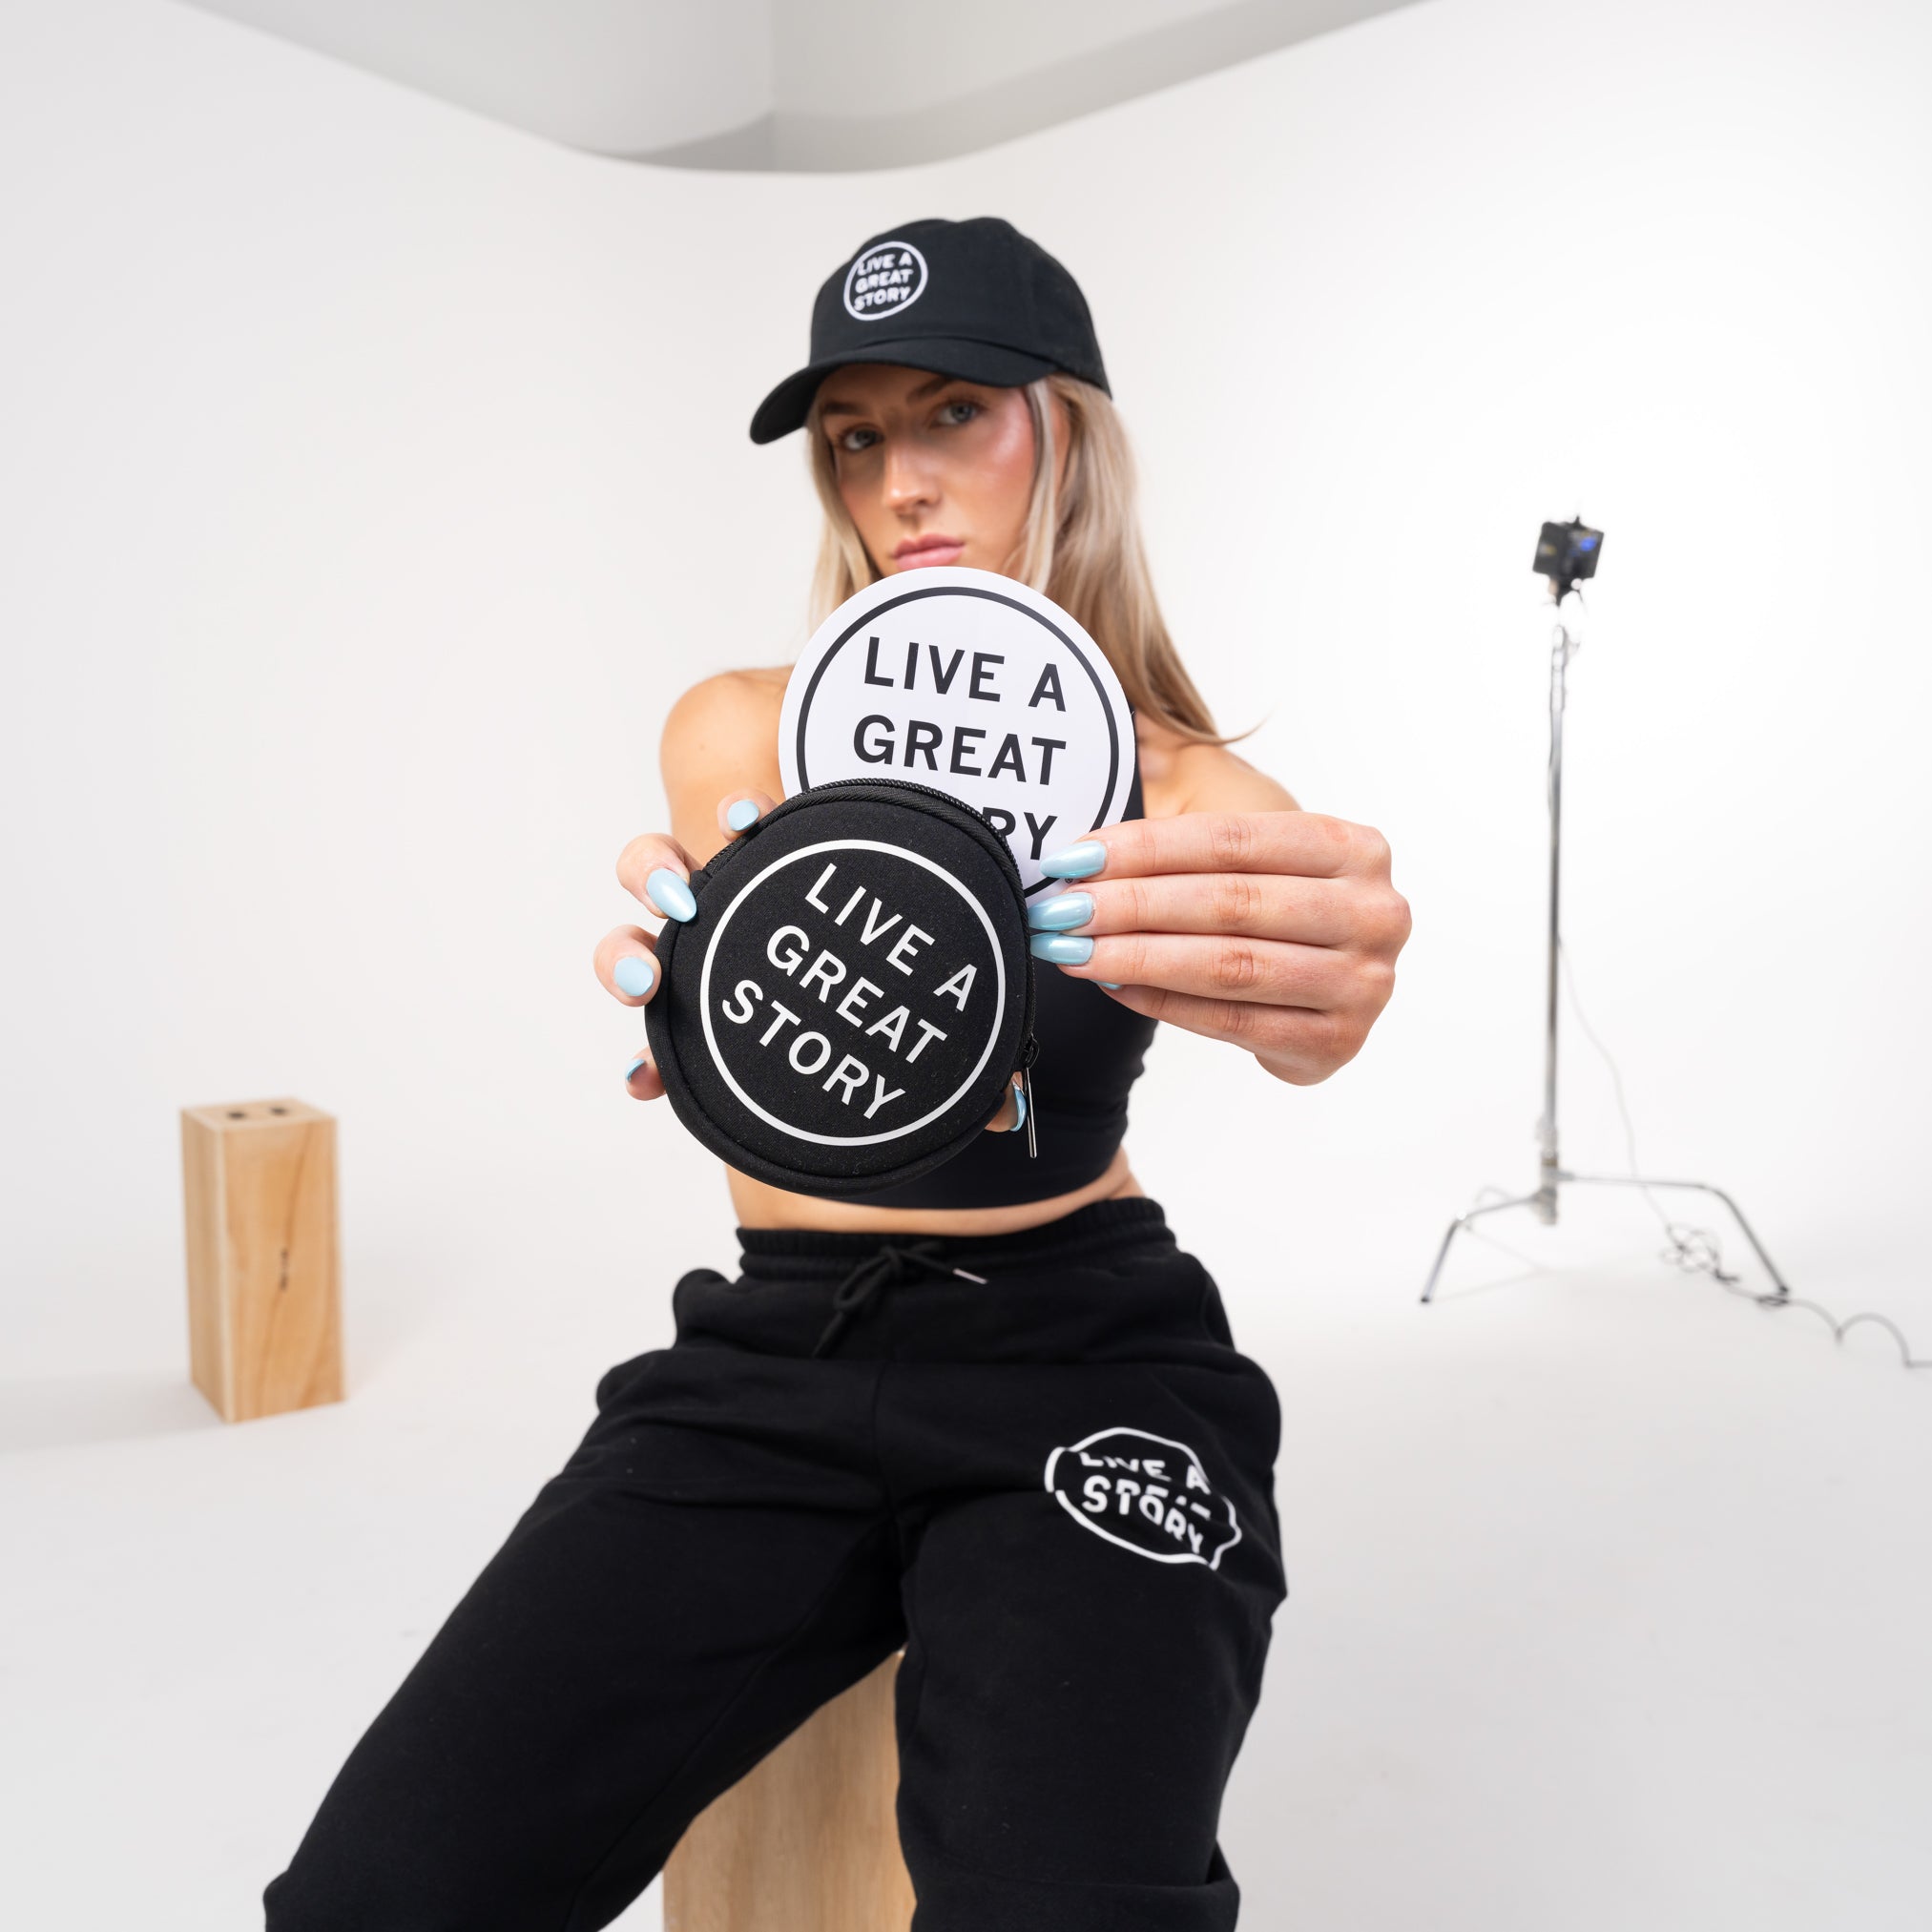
(1566, 554)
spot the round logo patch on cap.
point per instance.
(852, 991)
(883, 281)
(976, 686)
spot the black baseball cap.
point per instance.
(972, 298)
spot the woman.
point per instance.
(994, 1416)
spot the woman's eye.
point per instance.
(856, 440)
(956, 413)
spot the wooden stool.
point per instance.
(265, 1314)
(808, 1842)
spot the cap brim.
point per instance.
(787, 406)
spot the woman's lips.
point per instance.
(922, 553)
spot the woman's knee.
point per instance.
(375, 1885)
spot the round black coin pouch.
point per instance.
(848, 1006)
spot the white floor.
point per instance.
(1610, 1591)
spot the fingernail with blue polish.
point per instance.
(670, 895)
(1061, 948)
(1020, 1120)
(635, 975)
(742, 816)
(1061, 914)
(1076, 862)
(1111, 986)
(642, 1059)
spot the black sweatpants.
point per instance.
(1052, 1486)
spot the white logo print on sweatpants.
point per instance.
(1146, 1493)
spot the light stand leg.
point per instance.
(1461, 1222)
(1778, 1283)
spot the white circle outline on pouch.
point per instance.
(710, 953)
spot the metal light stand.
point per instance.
(1552, 1174)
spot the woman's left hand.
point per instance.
(1275, 931)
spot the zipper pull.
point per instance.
(1026, 1094)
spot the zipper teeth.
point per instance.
(972, 812)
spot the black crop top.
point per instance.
(1092, 1050)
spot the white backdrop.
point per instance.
(373, 478)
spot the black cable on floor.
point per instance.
(1697, 1251)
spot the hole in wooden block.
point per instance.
(277, 1109)
(237, 1113)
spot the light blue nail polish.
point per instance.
(742, 816)
(635, 975)
(670, 895)
(1062, 914)
(1019, 1094)
(1111, 986)
(1076, 862)
(1061, 948)
(634, 1067)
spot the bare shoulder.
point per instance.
(720, 736)
(730, 702)
(1179, 774)
(730, 716)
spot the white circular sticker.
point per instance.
(883, 281)
(972, 684)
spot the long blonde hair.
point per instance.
(1081, 546)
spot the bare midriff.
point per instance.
(760, 1206)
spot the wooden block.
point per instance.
(265, 1306)
(808, 1842)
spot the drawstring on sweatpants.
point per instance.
(890, 1266)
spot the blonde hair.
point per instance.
(1080, 546)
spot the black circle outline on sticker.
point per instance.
(876, 610)
(745, 891)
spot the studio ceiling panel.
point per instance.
(805, 86)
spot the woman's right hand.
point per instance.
(656, 870)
